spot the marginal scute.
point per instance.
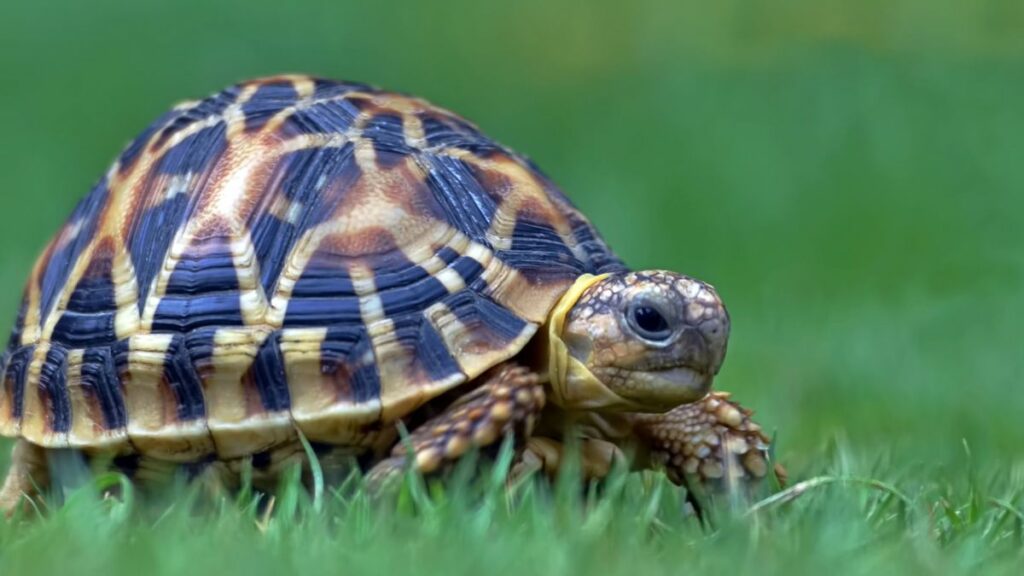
(98, 379)
(15, 377)
(97, 410)
(53, 392)
(288, 253)
(10, 397)
(593, 248)
(430, 358)
(324, 401)
(163, 397)
(267, 375)
(238, 421)
(180, 374)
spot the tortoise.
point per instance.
(295, 258)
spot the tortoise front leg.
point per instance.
(27, 475)
(712, 443)
(508, 401)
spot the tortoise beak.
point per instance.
(688, 384)
(669, 387)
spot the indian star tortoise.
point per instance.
(294, 255)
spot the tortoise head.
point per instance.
(639, 341)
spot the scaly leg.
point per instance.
(709, 444)
(28, 474)
(507, 402)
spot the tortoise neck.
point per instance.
(571, 384)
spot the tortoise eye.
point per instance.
(649, 323)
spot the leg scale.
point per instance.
(712, 443)
(508, 402)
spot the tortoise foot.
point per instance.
(710, 444)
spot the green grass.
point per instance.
(848, 174)
(844, 523)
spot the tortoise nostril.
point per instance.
(708, 334)
(695, 350)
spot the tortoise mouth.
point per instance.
(683, 375)
(669, 387)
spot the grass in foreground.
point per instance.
(889, 519)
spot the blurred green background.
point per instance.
(850, 175)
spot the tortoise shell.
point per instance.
(289, 252)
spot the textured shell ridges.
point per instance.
(289, 252)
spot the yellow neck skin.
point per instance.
(573, 386)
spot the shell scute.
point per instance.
(476, 329)
(185, 115)
(202, 289)
(464, 203)
(89, 317)
(447, 131)
(324, 295)
(150, 238)
(269, 99)
(326, 117)
(187, 313)
(298, 200)
(126, 160)
(193, 154)
(84, 329)
(330, 89)
(64, 251)
(387, 133)
(406, 287)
